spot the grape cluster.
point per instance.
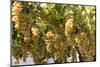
(69, 26)
(79, 38)
(16, 10)
(35, 31)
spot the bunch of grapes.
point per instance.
(79, 38)
(68, 26)
(35, 31)
(16, 10)
(20, 27)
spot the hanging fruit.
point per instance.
(46, 12)
(49, 34)
(35, 31)
(68, 26)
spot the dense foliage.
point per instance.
(58, 31)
